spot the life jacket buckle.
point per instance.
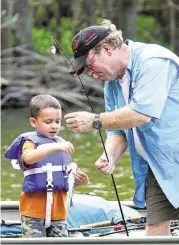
(64, 168)
(49, 179)
(49, 185)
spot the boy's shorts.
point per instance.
(33, 227)
(159, 209)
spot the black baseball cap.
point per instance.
(85, 40)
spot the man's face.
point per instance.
(103, 65)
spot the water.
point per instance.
(88, 148)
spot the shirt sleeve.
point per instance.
(27, 146)
(110, 106)
(151, 88)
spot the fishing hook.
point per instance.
(57, 44)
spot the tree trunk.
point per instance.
(6, 40)
(176, 33)
(172, 24)
(57, 20)
(24, 23)
(123, 14)
(125, 18)
(84, 14)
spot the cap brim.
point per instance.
(78, 65)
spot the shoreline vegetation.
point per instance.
(26, 73)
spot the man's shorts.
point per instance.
(33, 227)
(159, 209)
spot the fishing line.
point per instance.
(57, 44)
(54, 51)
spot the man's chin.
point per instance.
(110, 78)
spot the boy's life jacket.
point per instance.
(52, 171)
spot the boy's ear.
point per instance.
(32, 122)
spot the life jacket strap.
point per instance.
(49, 201)
(43, 169)
(15, 164)
(48, 208)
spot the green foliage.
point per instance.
(66, 34)
(42, 36)
(148, 30)
(16, 40)
(41, 39)
(41, 10)
(8, 21)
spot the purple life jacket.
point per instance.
(35, 177)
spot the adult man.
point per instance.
(142, 112)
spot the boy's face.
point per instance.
(48, 122)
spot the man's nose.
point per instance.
(90, 72)
(93, 74)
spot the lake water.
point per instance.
(88, 148)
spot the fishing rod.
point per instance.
(173, 231)
(113, 228)
(114, 221)
(134, 224)
(57, 44)
(139, 227)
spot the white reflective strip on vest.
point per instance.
(49, 201)
(15, 164)
(43, 169)
(48, 209)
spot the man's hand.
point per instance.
(80, 121)
(104, 166)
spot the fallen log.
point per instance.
(31, 73)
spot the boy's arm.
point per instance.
(27, 147)
(42, 151)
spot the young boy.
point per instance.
(45, 161)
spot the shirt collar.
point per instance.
(129, 44)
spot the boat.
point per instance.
(100, 222)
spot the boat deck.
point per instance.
(10, 214)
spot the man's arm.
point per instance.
(123, 118)
(115, 146)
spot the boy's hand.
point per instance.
(104, 166)
(81, 178)
(66, 146)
